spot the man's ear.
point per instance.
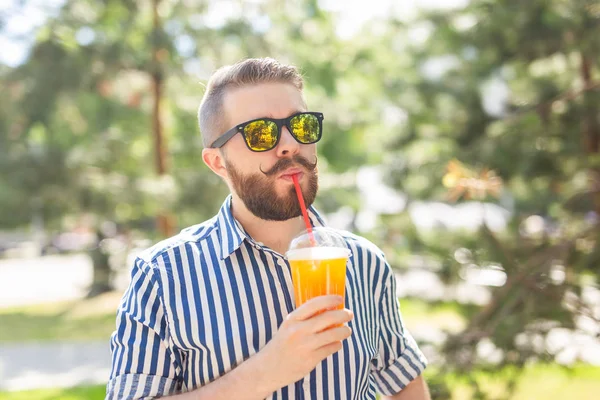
(214, 160)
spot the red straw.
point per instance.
(303, 208)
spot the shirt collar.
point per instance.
(232, 235)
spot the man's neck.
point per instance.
(275, 235)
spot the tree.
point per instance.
(512, 87)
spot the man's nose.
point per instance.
(287, 146)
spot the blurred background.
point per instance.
(461, 136)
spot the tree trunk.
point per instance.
(591, 129)
(102, 273)
(164, 221)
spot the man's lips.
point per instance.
(288, 174)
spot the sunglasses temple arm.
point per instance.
(224, 138)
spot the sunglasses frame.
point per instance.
(280, 123)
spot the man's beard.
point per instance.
(258, 193)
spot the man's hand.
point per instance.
(306, 337)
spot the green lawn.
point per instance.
(94, 319)
(88, 319)
(538, 382)
(449, 316)
(79, 393)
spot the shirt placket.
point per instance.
(287, 288)
(306, 387)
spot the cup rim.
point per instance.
(345, 250)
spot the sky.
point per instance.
(23, 20)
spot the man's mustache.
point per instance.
(286, 163)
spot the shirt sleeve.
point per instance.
(399, 359)
(145, 364)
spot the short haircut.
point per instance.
(253, 71)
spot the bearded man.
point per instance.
(209, 313)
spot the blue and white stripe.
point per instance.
(207, 299)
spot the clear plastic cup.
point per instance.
(318, 270)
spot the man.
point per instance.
(209, 313)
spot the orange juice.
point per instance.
(318, 271)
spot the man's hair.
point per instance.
(253, 71)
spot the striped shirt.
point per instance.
(204, 301)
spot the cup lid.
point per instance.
(323, 236)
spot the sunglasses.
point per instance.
(263, 134)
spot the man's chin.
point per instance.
(282, 217)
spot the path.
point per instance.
(50, 365)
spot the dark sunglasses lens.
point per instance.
(261, 135)
(306, 128)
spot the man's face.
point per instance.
(263, 181)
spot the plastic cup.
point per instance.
(319, 269)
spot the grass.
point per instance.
(448, 316)
(538, 382)
(96, 392)
(94, 319)
(87, 319)
(535, 382)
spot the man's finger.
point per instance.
(314, 306)
(327, 350)
(329, 319)
(332, 335)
